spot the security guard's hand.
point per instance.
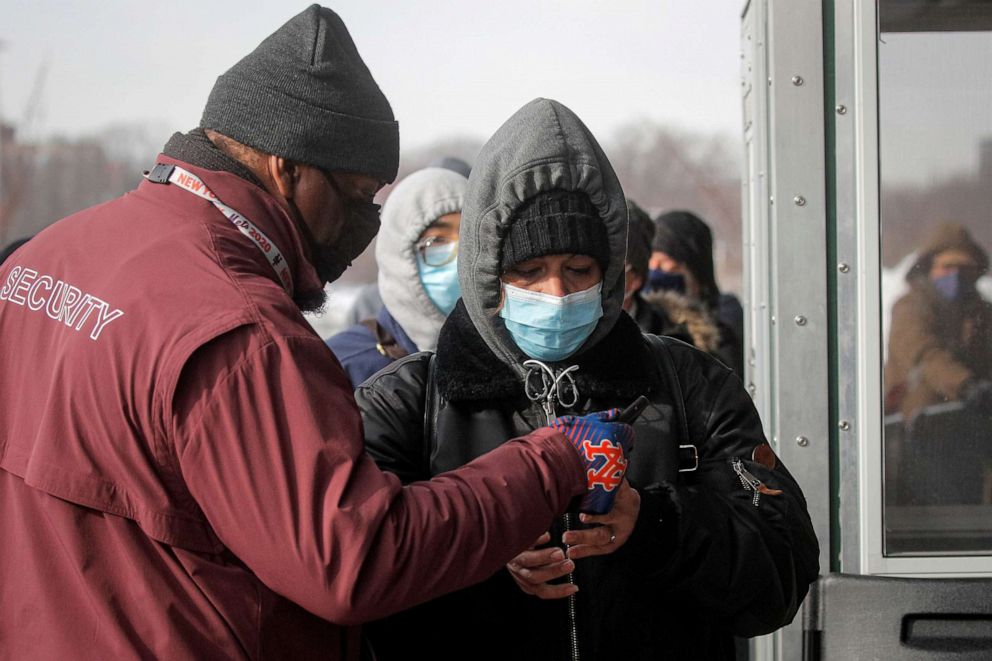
(534, 568)
(603, 446)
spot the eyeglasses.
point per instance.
(437, 250)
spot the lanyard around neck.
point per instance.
(186, 180)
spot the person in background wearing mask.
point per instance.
(690, 555)
(417, 254)
(181, 465)
(640, 232)
(663, 311)
(940, 345)
(682, 261)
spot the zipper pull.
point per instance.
(549, 409)
(751, 483)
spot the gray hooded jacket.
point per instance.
(413, 205)
(543, 146)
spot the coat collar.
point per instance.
(196, 149)
(243, 193)
(618, 367)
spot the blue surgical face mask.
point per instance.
(441, 282)
(948, 286)
(550, 327)
(659, 280)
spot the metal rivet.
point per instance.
(798, 81)
(802, 441)
(844, 425)
(769, 82)
(800, 320)
(841, 110)
(843, 268)
(752, 389)
(799, 200)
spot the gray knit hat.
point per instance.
(306, 95)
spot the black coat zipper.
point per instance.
(572, 600)
(573, 625)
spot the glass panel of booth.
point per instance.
(935, 180)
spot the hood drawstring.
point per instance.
(550, 391)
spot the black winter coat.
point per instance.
(708, 558)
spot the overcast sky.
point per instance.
(448, 67)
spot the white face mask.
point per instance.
(550, 327)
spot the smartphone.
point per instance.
(633, 411)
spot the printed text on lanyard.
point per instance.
(190, 182)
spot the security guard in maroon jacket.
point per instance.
(181, 465)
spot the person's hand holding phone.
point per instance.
(534, 569)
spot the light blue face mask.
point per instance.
(550, 327)
(441, 282)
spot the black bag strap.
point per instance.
(385, 343)
(688, 453)
(430, 411)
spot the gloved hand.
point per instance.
(602, 445)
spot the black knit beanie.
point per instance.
(686, 238)
(306, 95)
(556, 222)
(640, 233)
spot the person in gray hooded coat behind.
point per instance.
(715, 539)
(417, 255)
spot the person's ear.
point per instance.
(284, 174)
(632, 282)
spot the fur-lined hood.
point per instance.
(692, 316)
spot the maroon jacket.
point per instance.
(182, 466)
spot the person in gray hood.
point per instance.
(710, 537)
(417, 254)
